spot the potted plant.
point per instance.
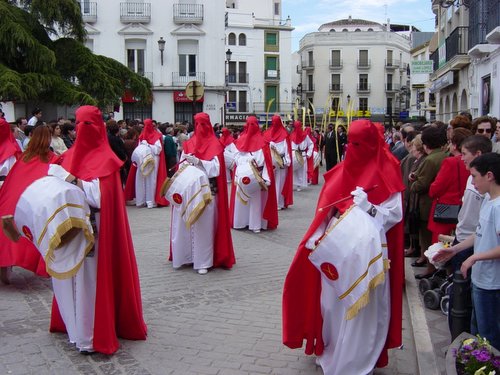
(472, 355)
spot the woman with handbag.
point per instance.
(433, 139)
(448, 188)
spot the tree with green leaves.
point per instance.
(42, 57)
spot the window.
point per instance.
(310, 83)
(310, 58)
(336, 82)
(242, 76)
(135, 49)
(242, 40)
(389, 81)
(277, 9)
(271, 93)
(231, 101)
(231, 72)
(271, 41)
(363, 57)
(389, 58)
(187, 65)
(336, 58)
(363, 81)
(363, 104)
(272, 67)
(242, 103)
(231, 39)
(389, 105)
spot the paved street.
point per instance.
(224, 323)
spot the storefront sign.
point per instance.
(422, 66)
(442, 82)
(180, 97)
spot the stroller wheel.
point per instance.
(445, 301)
(424, 285)
(432, 299)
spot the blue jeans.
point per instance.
(486, 314)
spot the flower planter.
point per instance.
(451, 361)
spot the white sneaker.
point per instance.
(256, 230)
(299, 189)
(202, 271)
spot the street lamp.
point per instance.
(226, 71)
(457, 3)
(161, 48)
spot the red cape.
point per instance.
(312, 173)
(118, 305)
(22, 253)
(270, 212)
(302, 318)
(8, 144)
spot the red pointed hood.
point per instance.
(298, 135)
(277, 132)
(8, 145)
(251, 138)
(203, 143)
(90, 156)
(226, 137)
(149, 133)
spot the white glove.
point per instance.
(361, 199)
(192, 159)
(57, 171)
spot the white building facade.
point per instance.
(258, 66)
(191, 34)
(355, 66)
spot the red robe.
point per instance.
(118, 305)
(204, 145)
(302, 318)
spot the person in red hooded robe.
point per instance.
(253, 194)
(281, 151)
(23, 253)
(149, 159)
(313, 161)
(370, 178)
(302, 149)
(226, 139)
(111, 304)
(206, 241)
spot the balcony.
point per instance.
(457, 47)
(364, 64)
(272, 75)
(182, 79)
(364, 88)
(308, 65)
(391, 64)
(309, 88)
(336, 64)
(237, 78)
(188, 13)
(392, 87)
(135, 12)
(336, 88)
(89, 11)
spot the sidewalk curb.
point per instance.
(426, 358)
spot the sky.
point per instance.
(308, 15)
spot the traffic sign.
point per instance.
(194, 90)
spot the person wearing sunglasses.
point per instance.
(484, 125)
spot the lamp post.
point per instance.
(226, 72)
(161, 48)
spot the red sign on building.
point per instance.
(180, 97)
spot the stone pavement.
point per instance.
(224, 323)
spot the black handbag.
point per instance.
(448, 213)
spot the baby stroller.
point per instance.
(436, 289)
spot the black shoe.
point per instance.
(419, 264)
(423, 275)
(411, 254)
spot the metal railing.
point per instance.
(309, 88)
(336, 87)
(182, 79)
(188, 13)
(457, 43)
(364, 87)
(89, 11)
(392, 64)
(391, 87)
(272, 74)
(135, 12)
(237, 78)
(336, 64)
(364, 64)
(308, 64)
